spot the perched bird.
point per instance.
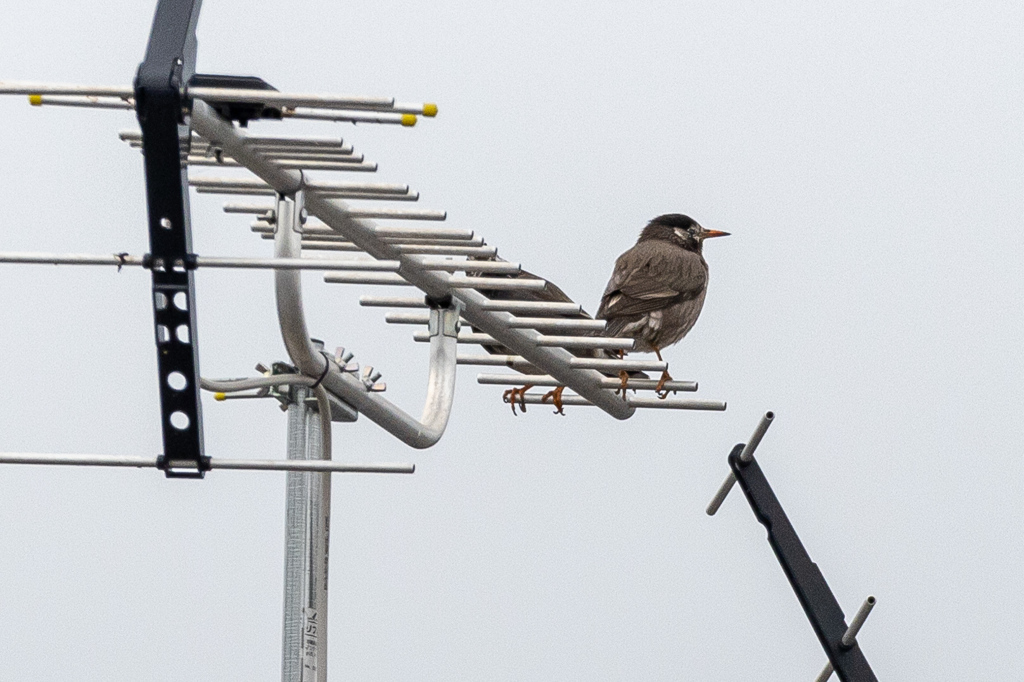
(657, 289)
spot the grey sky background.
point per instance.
(868, 159)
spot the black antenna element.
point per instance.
(810, 586)
(162, 110)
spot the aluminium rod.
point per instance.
(87, 102)
(540, 323)
(342, 116)
(345, 155)
(437, 242)
(746, 455)
(124, 260)
(393, 301)
(35, 88)
(633, 401)
(301, 164)
(322, 233)
(755, 438)
(850, 636)
(554, 361)
(262, 141)
(199, 146)
(475, 251)
(385, 231)
(337, 194)
(533, 307)
(288, 99)
(390, 235)
(543, 340)
(441, 242)
(451, 265)
(286, 155)
(517, 362)
(383, 212)
(609, 382)
(453, 281)
(495, 360)
(342, 153)
(318, 186)
(215, 463)
(217, 94)
(610, 364)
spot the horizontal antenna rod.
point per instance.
(34, 88)
(656, 403)
(392, 213)
(609, 382)
(543, 340)
(215, 463)
(260, 142)
(318, 186)
(215, 94)
(122, 260)
(541, 323)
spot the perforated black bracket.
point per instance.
(162, 110)
(817, 600)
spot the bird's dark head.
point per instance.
(679, 229)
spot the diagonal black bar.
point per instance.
(162, 112)
(814, 594)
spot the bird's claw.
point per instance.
(660, 388)
(513, 395)
(623, 383)
(556, 399)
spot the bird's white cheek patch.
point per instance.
(681, 232)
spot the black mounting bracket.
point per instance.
(162, 110)
(817, 600)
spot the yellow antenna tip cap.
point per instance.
(220, 396)
(35, 100)
(430, 109)
(409, 120)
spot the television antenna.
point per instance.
(190, 120)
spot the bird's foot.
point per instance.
(660, 388)
(556, 399)
(623, 383)
(512, 395)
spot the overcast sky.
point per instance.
(867, 157)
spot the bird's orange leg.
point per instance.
(556, 399)
(516, 394)
(623, 375)
(665, 378)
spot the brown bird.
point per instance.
(657, 289)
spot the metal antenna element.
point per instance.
(745, 456)
(819, 603)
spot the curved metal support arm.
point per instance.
(421, 433)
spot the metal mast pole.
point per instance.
(307, 539)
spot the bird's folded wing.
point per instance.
(648, 278)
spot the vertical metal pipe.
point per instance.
(314, 665)
(295, 536)
(307, 528)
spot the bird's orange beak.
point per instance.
(707, 234)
